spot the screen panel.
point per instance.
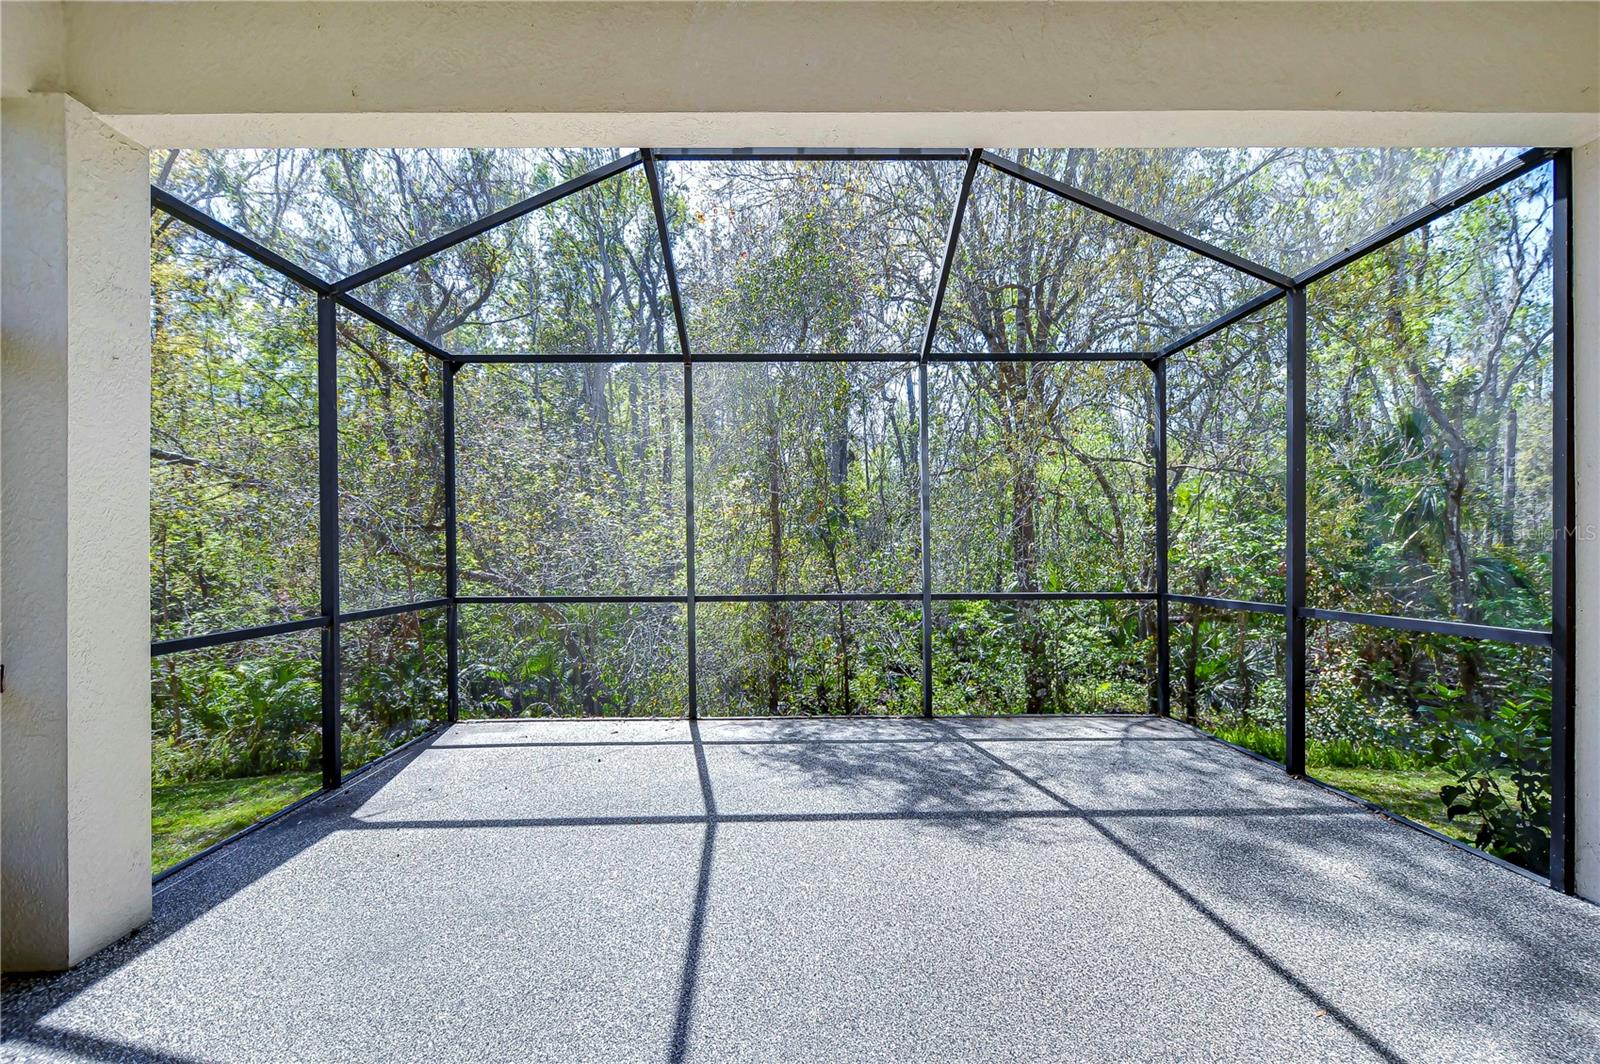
(1286, 208)
(1453, 733)
(1227, 435)
(1228, 674)
(391, 469)
(1036, 273)
(1042, 476)
(233, 440)
(569, 479)
(1011, 656)
(394, 682)
(809, 658)
(582, 275)
(335, 211)
(806, 478)
(1429, 443)
(804, 257)
(582, 660)
(236, 735)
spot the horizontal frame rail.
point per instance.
(1136, 220)
(584, 358)
(234, 635)
(668, 155)
(446, 241)
(764, 357)
(908, 357)
(819, 596)
(389, 611)
(803, 596)
(1240, 605)
(162, 647)
(1044, 596)
(1523, 636)
(556, 600)
(936, 357)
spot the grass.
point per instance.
(1414, 794)
(1381, 775)
(188, 817)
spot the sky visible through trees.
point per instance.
(1429, 451)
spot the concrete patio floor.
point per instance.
(1064, 888)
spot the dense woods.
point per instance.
(1429, 456)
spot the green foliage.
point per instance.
(810, 658)
(394, 681)
(1390, 709)
(1502, 764)
(580, 660)
(1412, 793)
(243, 710)
(1015, 657)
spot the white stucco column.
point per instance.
(74, 540)
(1586, 400)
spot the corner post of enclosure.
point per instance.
(1163, 703)
(1294, 717)
(451, 580)
(328, 534)
(1564, 590)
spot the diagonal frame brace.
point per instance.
(446, 241)
(1136, 220)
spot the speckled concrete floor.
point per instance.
(852, 890)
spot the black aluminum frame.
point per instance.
(336, 294)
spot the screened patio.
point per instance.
(855, 605)
(1272, 442)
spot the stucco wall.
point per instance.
(1586, 371)
(74, 533)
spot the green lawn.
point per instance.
(188, 817)
(1413, 794)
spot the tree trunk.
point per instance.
(777, 635)
(1025, 563)
(1508, 482)
(1191, 670)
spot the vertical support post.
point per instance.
(1294, 717)
(924, 476)
(688, 530)
(1564, 596)
(664, 232)
(328, 534)
(451, 583)
(1163, 703)
(924, 458)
